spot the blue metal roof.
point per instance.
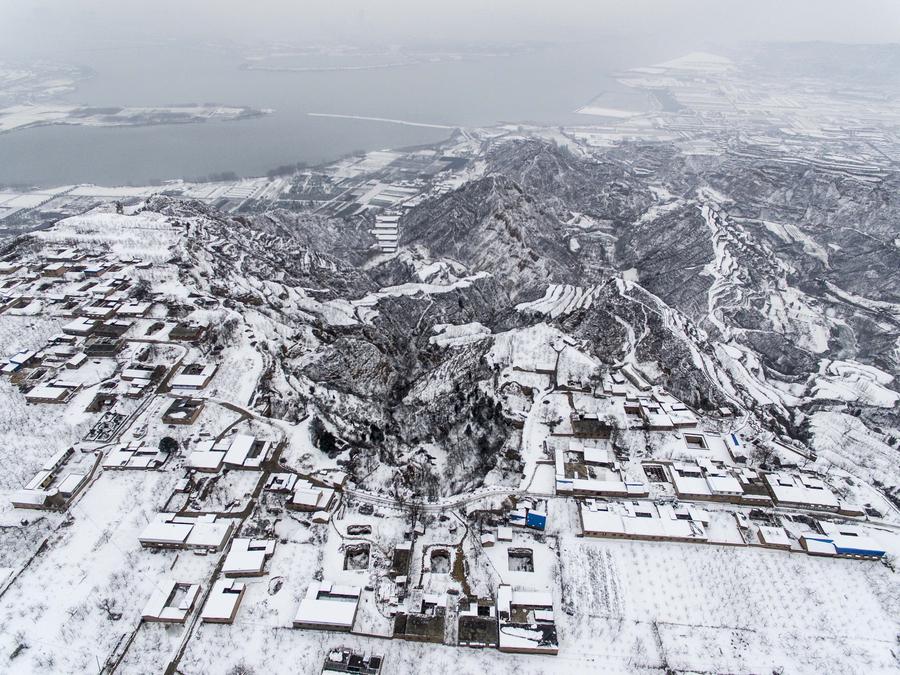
(849, 550)
(858, 551)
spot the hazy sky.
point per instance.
(26, 24)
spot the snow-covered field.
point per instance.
(148, 236)
(844, 441)
(59, 616)
(560, 300)
(34, 434)
(854, 382)
(723, 609)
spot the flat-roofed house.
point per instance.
(800, 491)
(327, 606)
(723, 484)
(170, 602)
(844, 540)
(704, 480)
(134, 309)
(141, 374)
(281, 482)
(187, 332)
(193, 376)
(774, 537)
(424, 618)
(112, 327)
(169, 530)
(48, 393)
(81, 326)
(526, 621)
(309, 497)
(655, 418)
(208, 456)
(66, 255)
(58, 481)
(643, 521)
(76, 361)
(99, 310)
(56, 269)
(135, 456)
(477, 624)
(818, 546)
(246, 452)
(19, 360)
(247, 557)
(103, 347)
(687, 477)
(345, 660)
(223, 601)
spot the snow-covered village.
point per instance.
(165, 507)
(613, 390)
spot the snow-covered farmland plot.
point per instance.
(36, 431)
(67, 610)
(725, 609)
(148, 236)
(844, 441)
(19, 333)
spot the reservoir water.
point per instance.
(543, 85)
